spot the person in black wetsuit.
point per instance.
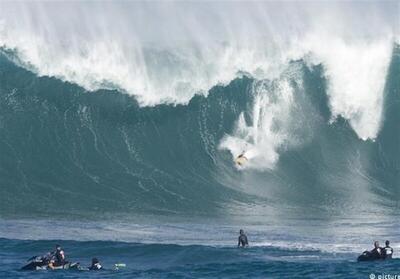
(376, 253)
(387, 251)
(242, 241)
(58, 258)
(95, 265)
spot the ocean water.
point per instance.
(183, 250)
(118, 137)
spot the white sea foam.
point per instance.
(268, 128)
(356, 74)
(168, 52)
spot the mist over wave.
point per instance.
(167, 52)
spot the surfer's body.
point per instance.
(242, 240)
(241, 159)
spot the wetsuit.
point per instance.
(59, 258)
(242, 241)
(387, 252)
(46, 258)
(376, 253)
(96, 266)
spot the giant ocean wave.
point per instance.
(96, 117)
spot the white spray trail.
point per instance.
(269, 127)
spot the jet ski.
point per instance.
(367, 256)
(42, 263)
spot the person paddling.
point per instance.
(95, 265)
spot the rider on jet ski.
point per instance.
(58, 257)
(387, 251)
(376, 253)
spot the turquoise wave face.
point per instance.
(69, 151)
(65, 151)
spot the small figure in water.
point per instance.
(242, 155)
(58, 258)
(387, 251)
(95, 265)
(241, 159)
(376, 253)
(242, 241)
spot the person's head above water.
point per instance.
(376, 244)
(241, 231)
(58, 247)
(95, 264)
(387, 242)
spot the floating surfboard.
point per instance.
(119, 266)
